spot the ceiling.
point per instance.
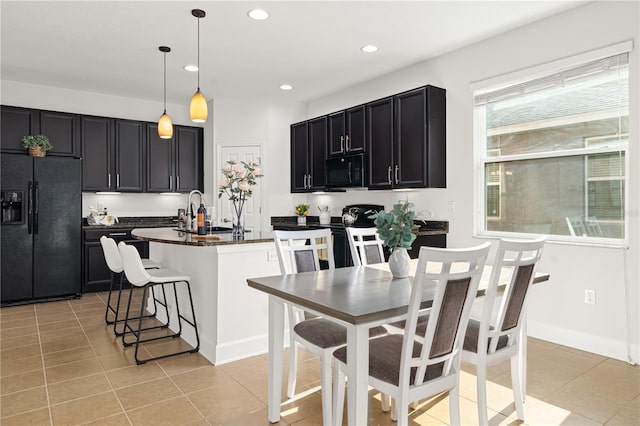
(112, 46)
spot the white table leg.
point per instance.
(276, 340)
(523, 354)
(358, 373)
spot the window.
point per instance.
(553, 152)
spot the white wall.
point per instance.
(557, 311)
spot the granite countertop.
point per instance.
(425, 227)
(173, 236)
(135, 222)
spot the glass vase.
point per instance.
(238, 220)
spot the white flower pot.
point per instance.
(399, 262)
(302, 220)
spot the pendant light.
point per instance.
(165, 127)
(198, 108)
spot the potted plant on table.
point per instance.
(38, 145)
(395, 230)
(302, 210)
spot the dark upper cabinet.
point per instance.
(308, 145)
(420, 140)
(407, 141)
(113, 153)
(129, 138)
(60, 127)
(160, 165)
(175, 165)
(299, 157)
(380, 140)
(15, 123)
(347, 132)
(189, 158)
(317, 152)
(96, 134)
(62, 130)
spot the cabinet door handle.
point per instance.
(170, 183)
(341, 143)
(347, 144)
(304, 181)
(309, 181)
(397, 181)
(177, 183)
(118, 181)
(389, 175)
(109, 182)
(117, 234)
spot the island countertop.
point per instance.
(173, 236)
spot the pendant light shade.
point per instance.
(198, 109)
(165, 127)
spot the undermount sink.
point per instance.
(212, 230)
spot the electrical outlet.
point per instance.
(272, 256)
(589, 296)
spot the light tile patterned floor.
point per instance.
(59, 364)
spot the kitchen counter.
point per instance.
(173, 236)
(425, 227)
(135, 222)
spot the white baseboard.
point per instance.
(244, 348)
(586, 342)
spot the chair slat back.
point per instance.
(365, 245)
(300, 251)
(453, 288)
(515, 266)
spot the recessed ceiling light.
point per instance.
(192, 68)
(258, 14)
(286, 87)
(369, 48)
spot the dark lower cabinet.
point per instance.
(96, 275)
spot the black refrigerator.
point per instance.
(41, 228)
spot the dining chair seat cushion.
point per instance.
(384, 359)
(471, 338)
(150, 264)
(325, 334)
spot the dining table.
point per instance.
(358, 297)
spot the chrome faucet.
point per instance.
(191, 208)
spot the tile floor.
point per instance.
(61, 365)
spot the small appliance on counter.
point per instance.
(357, 215)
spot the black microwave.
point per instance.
(347, 172)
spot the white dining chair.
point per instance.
(299, 251)
(365, 245)
(409, 367)
(492, 339)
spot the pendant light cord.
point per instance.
(198, 54)
(165, 82)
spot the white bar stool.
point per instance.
(114, 262)
(138, 276)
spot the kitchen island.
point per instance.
(232, 318)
